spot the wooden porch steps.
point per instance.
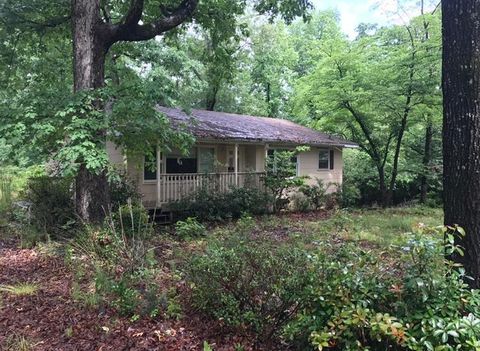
(160, 216)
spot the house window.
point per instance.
(175, 163)
(150, 166)
(206, 160)
(325, 159)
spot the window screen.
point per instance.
(181, 165)
(324, 159)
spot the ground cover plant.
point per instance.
(292, 281)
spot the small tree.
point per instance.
(281, 176)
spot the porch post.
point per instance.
(158, 176)
(266, 158)
(235, 160)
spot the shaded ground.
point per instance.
(51, 320)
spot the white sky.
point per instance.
(382, 12)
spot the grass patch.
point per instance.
(21, 289)
(17, 343)
(383, 227)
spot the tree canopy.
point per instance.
(270, 58)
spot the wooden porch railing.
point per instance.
(173, 187)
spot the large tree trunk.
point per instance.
(89, 50)
(427, 158)
(461, 126)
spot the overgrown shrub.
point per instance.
(300, 203)
(189, 228)
(122, 267)
(122, 191)
(253, 283)
(132, 220)
(315, 193)
(5, 198)
(5, 192)
(52, 208)
(281, 179)
(339, 296)
(207, 205)
(350, 194)
(362, 303)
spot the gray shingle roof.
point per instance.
(228, 126)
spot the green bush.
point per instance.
(189, 228)
(123, 269)
(207, 205)
(316, 194)
(52, 208)
(339, 296)
(361, 303)
(252, 283)
(131, 220)
(350, 195)
(123, 190)
(280, 178)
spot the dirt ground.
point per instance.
(51, 320)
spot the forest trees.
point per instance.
(381, 89)
(461, 131)
(96, 27)
(372, 90)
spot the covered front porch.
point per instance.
(218, 167)
(174, 187)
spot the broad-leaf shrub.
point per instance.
(52, 211)
(339, 296)
(365, 303)
(281, 177)
(245, 282)
(189, 228)
(208, 205)
(123, 190)
(316, 194)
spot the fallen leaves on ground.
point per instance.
(52, 320)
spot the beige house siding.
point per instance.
(251, 158)
(115, 155)
(308, 166)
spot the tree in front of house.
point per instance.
(96, 26)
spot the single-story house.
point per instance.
(230, 149)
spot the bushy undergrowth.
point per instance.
(340, 297)
(51, 205)
(121, 265)
(208, 205)
(45, 208)
(131, 220)
(122, 190)
(255, 284)
(190, 228)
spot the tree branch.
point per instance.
(134, 14)
(130, 30)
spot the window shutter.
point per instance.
(332, 153)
